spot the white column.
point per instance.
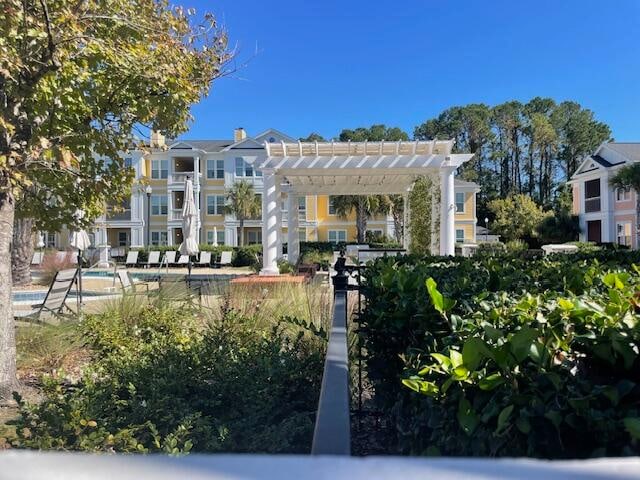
(447, 212)
(279, 220)
(271, 227)
(293, 240)
(196, 192)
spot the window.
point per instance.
(623, 233)
(244, 169)
(459, 235)
(215, 168)
(272, 140)
(128, 162)
(623, 194)
(159, 238)
(254, 236)
(302, 206)
(215, 204)
(592, 196)
(159, 168)
(459, 202)
(332, 207)
(302, 234)
(336, 236)
(219, 239)
(159, 205)
(123, 239)
(50, 240)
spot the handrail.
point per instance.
(332, 433)
(110, 263)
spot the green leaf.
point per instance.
(443, 360)
(421, 386)
(473, 351)
(460, 373)
(521, 342)
(632, 425)
(523, 425)
(490, 382)
(456, 358)
(613, 280)
(440, 303)
(504, 417)
(467, 417)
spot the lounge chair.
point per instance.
(55, 300)
(183, 260)
(153, 259)
(36, 260)
(62, 257)
(170, 257)
(127, 282)
(225, 259)
(132, 258)
(204, 260)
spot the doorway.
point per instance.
(594, 231)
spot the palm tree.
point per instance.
(628, 177)
(365, 206)
(243, 202)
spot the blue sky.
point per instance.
(327, 65)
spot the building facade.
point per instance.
(606, 214)
(153, 214)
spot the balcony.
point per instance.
(175, 214)
(119, 214)
(592, 204)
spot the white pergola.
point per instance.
(350, 168)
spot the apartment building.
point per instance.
(606, 214)
(153, 214)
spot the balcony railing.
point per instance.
(592, 205)
(118, 215)
(175, 214)
(180, 177)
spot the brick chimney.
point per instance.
(157, 139)
(239, 134)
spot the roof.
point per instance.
(463, 183)
(601, 161)
(631, 150)
(205, 145)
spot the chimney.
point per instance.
(157, 139)
(239, 134)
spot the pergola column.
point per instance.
(271, 227)
(293, 240)
(447, 212)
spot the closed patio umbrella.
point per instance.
(79, 239)
(189, 245)
(215, 236)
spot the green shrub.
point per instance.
(246, 256)
(164, 381)
(515, 246)
(285, 267)
(492, 299)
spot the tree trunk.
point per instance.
(8, 381)
(398, 222)
(22, 251)
(242, 232)
(361, 219)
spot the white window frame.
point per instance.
(337, 234)
(159, 168)
(460, 210)
(217, 168)
(302, 234)
(458, 239)
(158, 204)
(375, 231)
(626, 194)
(246, 169)
(161, 237)
(50, 239)
(330, 205)
(626, 238)
(122, 243)
(219, 240)
(254, 233)
(217, 204)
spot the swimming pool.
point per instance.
(35, 296)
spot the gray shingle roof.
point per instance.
(631, 150)
(463, 183)
(207, 145)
